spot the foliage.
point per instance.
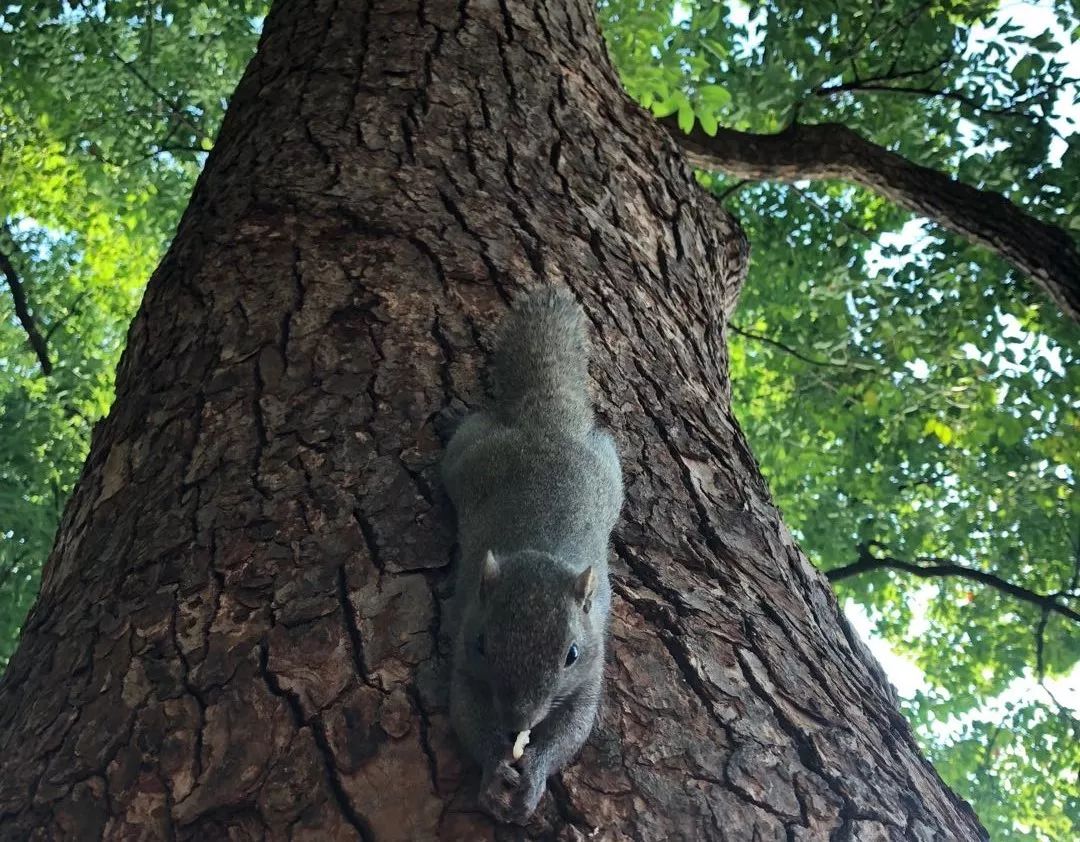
(105, 112)
(906, 393)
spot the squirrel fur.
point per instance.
(537, 489)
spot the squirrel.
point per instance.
(537, 489)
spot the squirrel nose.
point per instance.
(518, 718)
(522, 718)
(515, 724)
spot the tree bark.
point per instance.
(237, 635)
(1044, 252)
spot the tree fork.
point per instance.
(238, 629)
(1046, 253)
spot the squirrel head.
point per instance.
(533, 634)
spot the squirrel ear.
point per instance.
(489, 571)
(585, 587)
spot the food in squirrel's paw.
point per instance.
(520, 743)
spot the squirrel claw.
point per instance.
(526, 798)
(510, 794)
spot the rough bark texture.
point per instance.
(1043, 252)
(237, 635)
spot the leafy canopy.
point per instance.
(105, 115)
(908, 396)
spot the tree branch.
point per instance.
(933, 568)
(22, 311)
(734, 188)
(72, 310)
(760, 337)
(1044, 252)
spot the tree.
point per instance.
(917, 382)
(236, 633)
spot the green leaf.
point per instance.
(708, 124)
(666, 107)
(714, 96)
(686, 118)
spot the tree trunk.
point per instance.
(237, 633)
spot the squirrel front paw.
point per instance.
(497, 789)
(510, 793)
(529, 791)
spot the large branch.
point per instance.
(26, 318)
(935, 568)
(1044, 252)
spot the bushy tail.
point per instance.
(540, 364)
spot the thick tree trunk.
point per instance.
(237, 634)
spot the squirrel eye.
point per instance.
(572, 655)
(480, 643)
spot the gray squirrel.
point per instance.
(537, 489)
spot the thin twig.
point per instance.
(971, 103)
(759, 337)
(891, 75)
(989, 749)
(72, 310)
(734, 188)
(814, 203)
(174, 106)
(1040, 662)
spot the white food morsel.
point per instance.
(520, 743)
